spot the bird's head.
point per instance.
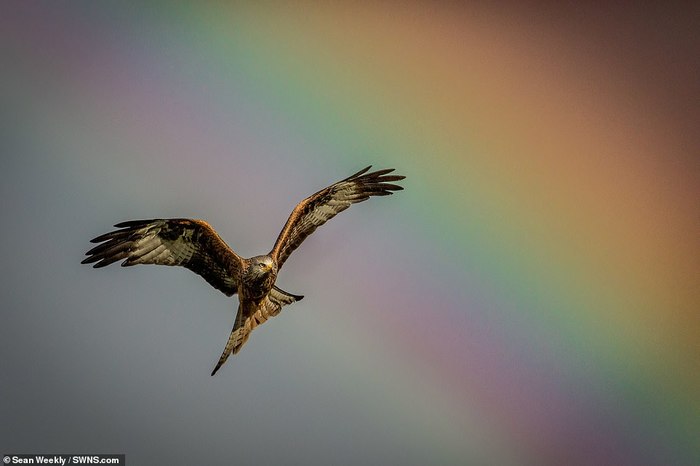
(262, 265)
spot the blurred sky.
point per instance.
(531, 297)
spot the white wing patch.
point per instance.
(325, 212)
(151, 248)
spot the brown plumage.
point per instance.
(195, 245)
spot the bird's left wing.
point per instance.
(177, 241)
(318, 208)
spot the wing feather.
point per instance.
(320, 207)
(177, 242)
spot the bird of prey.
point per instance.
(195, 245)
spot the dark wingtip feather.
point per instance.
(391, 178)
(91, 259)
(361, 172)
(379, 173)
(101, 238)
(378, 176)
(100, 248)
(118, 234)
(133, 223)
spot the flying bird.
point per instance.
(195, 245)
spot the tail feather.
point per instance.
(239, 335)
(282, 297)
(250, 316)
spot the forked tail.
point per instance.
(237, 338)
(250, 316)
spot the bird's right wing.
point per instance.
(189, 243)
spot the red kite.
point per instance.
(195, 245)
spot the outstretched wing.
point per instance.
(189, 243)
(318, 208)
(249, 316)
